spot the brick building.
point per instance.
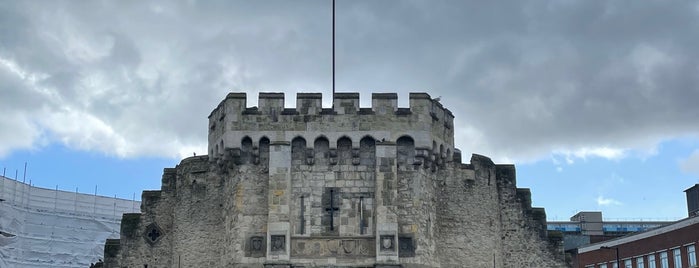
(670, 246)
(588, 227)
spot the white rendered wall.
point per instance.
(49, 228)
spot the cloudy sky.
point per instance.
(594, 101)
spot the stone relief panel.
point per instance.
(387, 243)
(339, 248)
(406, 246)
(255, 246)
(278, 243)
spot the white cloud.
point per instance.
(691, 163)
(601, 201)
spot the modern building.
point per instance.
(693, 200)
(670, 246)
(588, 227)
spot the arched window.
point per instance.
(264, 151)
(322, 148)
(246, 150)
(367, 151)
(298, 151)
(405, 151)
(344, 151)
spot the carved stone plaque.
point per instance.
(345, 247)
(278, 243)
(406, 247)
(387, 243)
(256, 246)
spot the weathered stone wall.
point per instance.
(430, 124)
(524, 235)
(352, 187)
(468, 216)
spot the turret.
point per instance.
(425, 121)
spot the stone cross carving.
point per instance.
(153, 234)
(332, 210)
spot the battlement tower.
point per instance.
(426, 121)
(334, 187)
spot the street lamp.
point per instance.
(618, 265)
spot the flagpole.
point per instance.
(333, 43)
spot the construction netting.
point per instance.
(52, 228)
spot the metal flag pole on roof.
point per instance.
(333, 44)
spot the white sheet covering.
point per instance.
(48, 228)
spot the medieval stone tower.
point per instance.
(334, 187)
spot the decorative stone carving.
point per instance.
(152, 234)
(406, 246)
(348, 245)
(256, 246)
(387, 243)
(278, 243)
(338, 248)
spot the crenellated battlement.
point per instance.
(272, 103)
(425, 120)
(381, 186)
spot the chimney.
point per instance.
(693, 200)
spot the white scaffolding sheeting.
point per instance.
(52, 228)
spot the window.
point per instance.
(615, 265)
(692, 256)
(663, 260)
(603, 265)
(639, 262)
(678, 257)
(627, 263)
(651, 261)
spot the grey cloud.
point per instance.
(522, 78)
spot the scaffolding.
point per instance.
(42, 227)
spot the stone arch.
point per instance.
(367, 151)
(405, 150)
(264, 151)
(322, 150)
(344, 150)
(246, 150)
(298, 151)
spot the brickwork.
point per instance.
(352, 187)
(645, 247)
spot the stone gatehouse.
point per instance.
(335, 187)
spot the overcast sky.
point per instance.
(547, 85)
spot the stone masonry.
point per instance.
(335, 187)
